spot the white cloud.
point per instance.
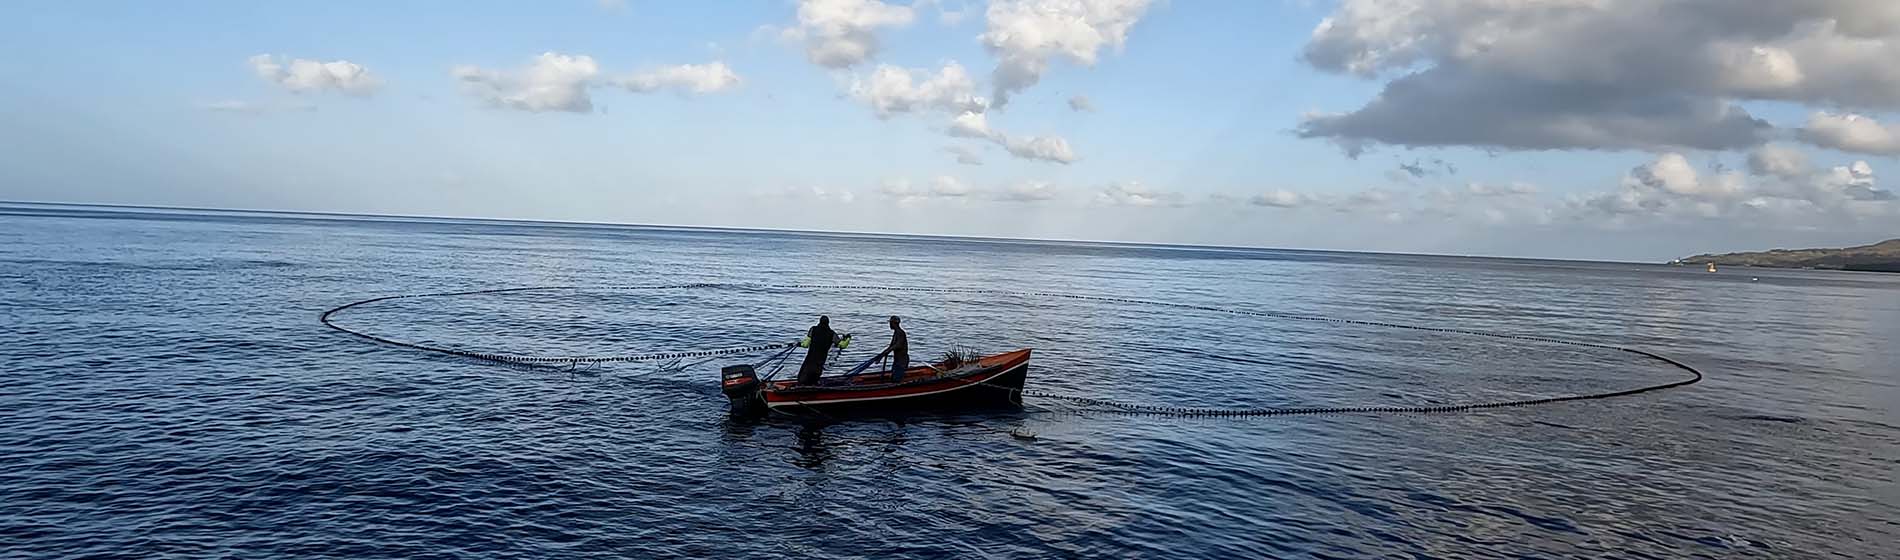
(299, 75)
(1042, 148)
(1849, 132)
(1278, 199)
(1025, 35)
(964, 155)
(1081, 103)
(1045, 148)
(814, 193)
(843, 33)
(971, 124)
(1134, 194)
(947, 188)
(685, 78)
(1515, 188)
(1028, 191)
(1670, 188)
(1598, 74)
(890, 90)
(941, 186)
(553, 82)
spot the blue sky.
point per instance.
(1205, 112)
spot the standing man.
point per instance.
(819, 341)
(899, 351)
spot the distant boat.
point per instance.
(995, 380)
(1711, 267)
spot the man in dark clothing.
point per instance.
(899, 350)
(819, 340)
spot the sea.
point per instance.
(169, 392)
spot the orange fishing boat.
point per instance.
(985, 381)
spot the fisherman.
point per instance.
(899, 351)
(819, 340)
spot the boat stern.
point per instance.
(741, 385)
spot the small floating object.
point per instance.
(984, 381)
(1711, 267)
(1022, 433)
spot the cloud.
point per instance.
(1081, 103)
(944, 187)
(964, 155)
(843, 33)
(1775, 160)
(1026, 35)
(1045, 148)
(1598, 74)
(685, 78)
(814, 193)
(1496, 190)
(890, 90)
(553, 82)
(1278, 199)
(1042, 148)
(1028, 191)
(1670, 188)
(1849, 132)
(941, 186)
(1134, 194)
(971, 124)
(299, 75)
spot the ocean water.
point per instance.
(168, 392)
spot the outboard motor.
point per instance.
(741, 386)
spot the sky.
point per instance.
(1639, 130)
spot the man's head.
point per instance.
(893, 321)
(823, 320)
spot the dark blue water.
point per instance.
(168, 392)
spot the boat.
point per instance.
(955, 383)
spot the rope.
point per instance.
(1696, 375)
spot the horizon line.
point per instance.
(739, 229)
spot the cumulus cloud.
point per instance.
(964, 155)
(1044, 148)
(1669, 187)
(1081, 103)
(299, 75)
(1776, 160)
(970, 124)
(890, 90)
(685, 78)
(1134, 194)
(1598, 74)
(1849, 132)
(1053, 149)
(1025, 36)
(843, 33)
(553, 82)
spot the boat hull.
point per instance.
(996, 383)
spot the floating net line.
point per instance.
(327, 318)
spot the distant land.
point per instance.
(1879, 257)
